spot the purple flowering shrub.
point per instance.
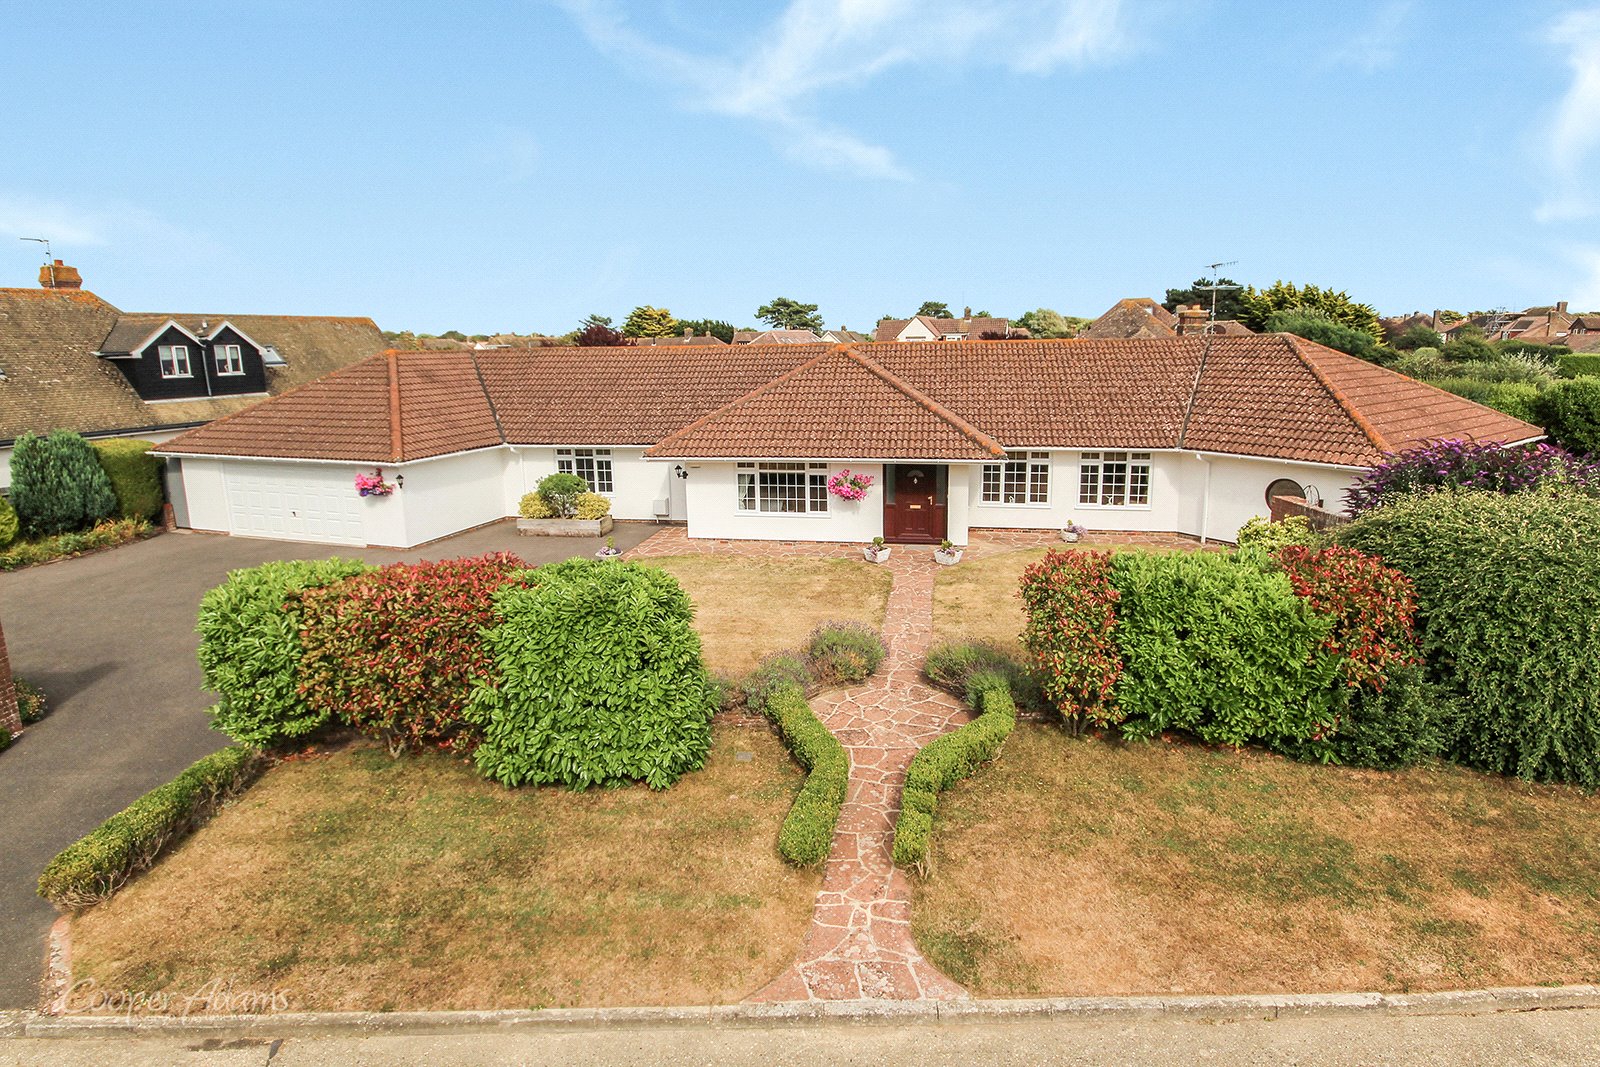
(1468, 465)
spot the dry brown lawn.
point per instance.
(977, 600)
(1092, 867)
(746, 608)
(350, 880)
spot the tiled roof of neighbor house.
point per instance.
(1264, 395)
(838, 405)
(777, 337)
(54, 380)
(843, 336)
(1134, 317)
(656, 342)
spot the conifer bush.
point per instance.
(57, 484)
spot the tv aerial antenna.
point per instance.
(1215, 287)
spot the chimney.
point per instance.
(1192, 319)
(688, 331)
(58, 275)
(1561, 305)
(966, 313)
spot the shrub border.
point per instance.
(946, 760)
(95, 866)
(807, 834)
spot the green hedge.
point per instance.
(98, 864)
(250, 648)
(1578, 364)
(947, 760)
(1219, 646)
(597, 679)
(135, 476)
(1508, 598)
(1570, 414)
(107, 534)
(9, 526)
(807, 834)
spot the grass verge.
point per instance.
(1096, 868)
(354, 881)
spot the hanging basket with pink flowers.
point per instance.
(847, 486)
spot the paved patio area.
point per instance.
(110, 638)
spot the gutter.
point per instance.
(95, 435)
(1205, 499)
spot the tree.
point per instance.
(1418, 336)
(1321, 328)
(708, 328)
(1047, 322)
(57, 483)
(596, 332)
(1258, 305)
(647, 321)
(1229, 302)
(1570, 412)
(785, 314)
(1468, 345)
(935, 310)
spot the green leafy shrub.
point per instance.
(5, 739)
(598, 679)
(1219, 647)
(1315, 325)
(8, 523)
(773, 674)
(1424, 364)
(591, 506)
(1578, 364)
(1070, 633)
(1508, 594)
(948, 759)
(560, 493)
(807, 833)
(393, 652)
(1407, 721)
(1372, 607)
(1516, 399)
(952, 665)
(842, 652)
(1570, 414)
(97, 865)
(533, 506)
(1269, 536)
(135, 476)
(250, 648)
(31, 702)
(104, 535)
(58, 485)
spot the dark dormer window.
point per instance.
(174, 361)
(230, 359)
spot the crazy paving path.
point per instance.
(859, 943)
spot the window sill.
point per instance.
(1116, 507)
(1001, 504)
(782, 514)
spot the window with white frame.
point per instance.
(174, 361)
(783, 488)
(1114, 479)
(593, 465)
(230, 359)
(1024, 478)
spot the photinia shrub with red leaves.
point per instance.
(1373, 605)
(1071, 607)
(393, 652)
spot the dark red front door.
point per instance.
(914, 509)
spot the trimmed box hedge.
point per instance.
(807, 834)
(135, 476)
(98, 864)
(945, 761)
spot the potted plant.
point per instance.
(1072, 532)
(847, 486)
(948, 553)
(373, 484)
(877, 552)
(609, 550)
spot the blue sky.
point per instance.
(515, 166)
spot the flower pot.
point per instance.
(947, 558)
(608, 553)
(874, 554)
(1070, 536)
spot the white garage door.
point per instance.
(294, 503)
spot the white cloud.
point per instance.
(1585, 294)
(1378, 44)
(1574, 132)
(61, 224)
(817, 47)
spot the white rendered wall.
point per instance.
(1239, 488)
(447, 495)
(712, 490)
(636, 483)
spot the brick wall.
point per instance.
(10, 720)
(1321, 518)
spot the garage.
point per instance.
(293, 502)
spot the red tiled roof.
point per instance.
(1265, 395)
(839, 405)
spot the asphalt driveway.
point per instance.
(110, 639)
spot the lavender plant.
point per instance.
(1470, 465)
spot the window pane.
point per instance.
(1038, 483)
(1113, 482)
(747, 491)
(782, 491)
(991, 483)
(1089, 483)
(1139, 483)
(819, 492)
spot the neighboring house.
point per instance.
(929, 328)
(688, 338)
(1546, 325)
(843, 336)
(1141, 317)
(775, 337)
(70, 360)
(1184, 434)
